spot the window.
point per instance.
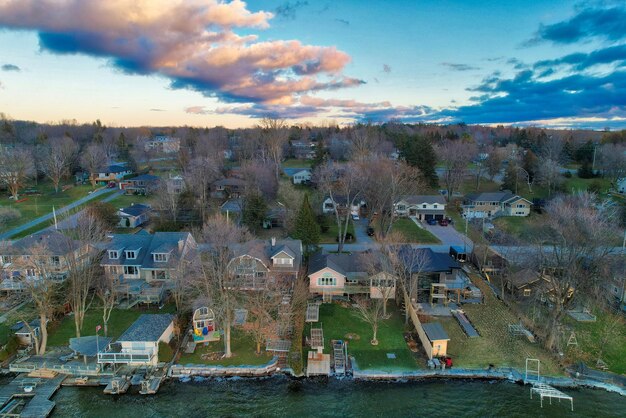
(520, 206)
(424, 206)
(55, 260)
(114, 255)
(327, 281)
(131, 255)
(131, 270)
(435, 206)
(527, 292)
(160, 257)
(283, 261)
(401, 207)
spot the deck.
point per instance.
(318, 364)
(13, 396)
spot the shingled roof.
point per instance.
(148, 327)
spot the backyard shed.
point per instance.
(437, 337)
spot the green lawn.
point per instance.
(61, 332)
(340, 323)
(5, 333)
(495, 345)
(589, 336)
(576, 184)
(522, 227)
(330, 236)
(413, 233)
(242, 346)
(124, 200)
(36, 206)
(295, 163)
(469, 185)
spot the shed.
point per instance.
(437, 337)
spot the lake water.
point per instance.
(282, 397)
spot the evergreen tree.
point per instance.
(530, 164)
(418, 152)
(511, 178)
(320, 154)
(254, 211)
(307, 229)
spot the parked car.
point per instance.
(443, 222)
(355, 217)
(370, 231)
(111, 185)
(432, 221)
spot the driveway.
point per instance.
(360, 232)
(41, 219)
(448, 236)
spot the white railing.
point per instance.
(125, 358)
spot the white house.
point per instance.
(134, 215)
(139, 345)
(299, 175)
(421, 207)
(328, 205)
(162, 143)
(621, 185)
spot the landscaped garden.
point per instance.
(242, 347)
(340, 322)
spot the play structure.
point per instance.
(204, 328)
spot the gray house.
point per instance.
(134, 215)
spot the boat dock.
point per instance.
(117, 386)
(547, 391)
(29, 397)
(151, 385)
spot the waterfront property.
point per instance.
(422, 207)
(349, 274)
(494, 204)
(144, 266)
(47, 254)
(139, 345)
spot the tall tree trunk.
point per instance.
(77, 324)
(44, 334)
(227, 352)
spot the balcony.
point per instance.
(116, 355)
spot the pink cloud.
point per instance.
(192, 42)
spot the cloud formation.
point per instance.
(459, 67)
(10, 67)
(191, 42)
(594, 22)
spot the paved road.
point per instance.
(448, 235)
(34, 222)
(70, 221)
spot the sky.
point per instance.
(218, 62)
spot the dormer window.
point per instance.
(435, 206)
(424, 206)
(283, 261)
(114, 255)
(160, 257)
(131, 255)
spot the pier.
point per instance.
(29, 396)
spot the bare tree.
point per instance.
(365, 139)
(549, 174)
(384, 183)
(260, 178)
(575, 242)
(263, 305)
(370, 311)
(214, 278)
(199, 175)
(16, 167)
(56, 159)
(105, 289)
(494, 162)
(92, 159)
(612, 161)
(274, 136)
(166, 201)
(455, 156)
(342, 183)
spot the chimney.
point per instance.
(273, 241)
(181, 244)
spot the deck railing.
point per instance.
(124, 358)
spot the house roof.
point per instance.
(500, 197)
(54, 242)
(232, 205)
(148, 327)
(230, 181)
(145, 177)
(420, 199)
(434, 331)
(346, 264)
(89, 345)
(135, 210)
(264, 251)
(523, 278)
(114, 168)
(290, 172)
(146, 244)
(425, 260)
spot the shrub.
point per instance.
(595, 187)
(8, 215)
(567, 174)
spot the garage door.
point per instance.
(428, 216)
(438, 217)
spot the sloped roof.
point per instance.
(434, 331)
(491, 196)
(420, 199)
(148, 327)
(145, 177)
(114, 168)
(89, 345)
(523, 277)
(147, 243)
(136, 209)
(264, 251)
(346, 264)
(425, 260)
(290, 172)
(54, 242)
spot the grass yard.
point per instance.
(242, 346)
(413, 233)
(124, 201)
(519, 226)
(330, 236)
(469, 185)
(36, 206)
(576, 184)
(339, 321)
(61, 332)
(605, 338)
(295, 163)
(495, 345)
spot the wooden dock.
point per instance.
(117, 386)
(151, 386)
(38, 391)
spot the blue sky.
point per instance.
(213, 62)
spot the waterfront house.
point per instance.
(256, 262)
(44, 255)
(139, 344)
(422, 207)
(329, 203)
(144, 184)
(494, 204)
(349, 274)
(144, 266)
(134, 215)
